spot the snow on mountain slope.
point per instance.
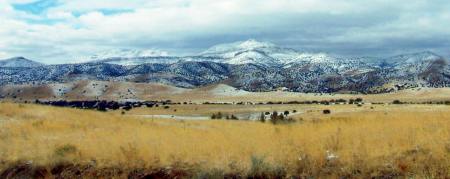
(414, 62)
(19, 62)
(230, 50)
(252, 51)
(413, 58)
(155, 60)
(255, 57)
(139, 60)
(128, 53)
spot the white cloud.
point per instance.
(83, 27)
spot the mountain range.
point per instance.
(249, 65)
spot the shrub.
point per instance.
(397, 102)
(326, 111)
(262, 169)
(262, 118)
(274, 117)
(127, 108)
(65, 150)
(233, 117)
(218, 115)
(351, 101)
(258, 167)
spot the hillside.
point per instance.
(247, 65)
(123, 91)
(19, 62)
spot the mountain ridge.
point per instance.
(252, 66)
(19, 62)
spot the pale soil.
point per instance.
(118, 91)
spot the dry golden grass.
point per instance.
(387, 141)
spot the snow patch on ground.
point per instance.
(225, 90)
(96, 88)
(175, 117)
(60, 89)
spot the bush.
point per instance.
(262, 118)
(262, 169)
(326, 111)
(218, 115)
(276, 118)
(397, 102)
(65, 150)
(233, 117)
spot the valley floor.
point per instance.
(381, 141)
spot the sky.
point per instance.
(66, 31)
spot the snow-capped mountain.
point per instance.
(229, 50)
(249, 65)
(412, 58)
(129, 53)
(242, 52)
(19, 62)
(264, 53)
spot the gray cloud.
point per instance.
(362, 27)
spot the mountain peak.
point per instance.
(416, 57)
(239, 46)
(19, 62)
(252, 44)
(127, 53)
(18, 58)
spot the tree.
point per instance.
(281, 117)
(274, 117)
(262, 118)
(286, 113)
(233, 117)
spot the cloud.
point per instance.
(63, 30)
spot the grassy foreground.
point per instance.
(42, 141)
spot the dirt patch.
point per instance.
(89, 171)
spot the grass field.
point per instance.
(356, 142)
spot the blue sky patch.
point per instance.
(36, 7)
